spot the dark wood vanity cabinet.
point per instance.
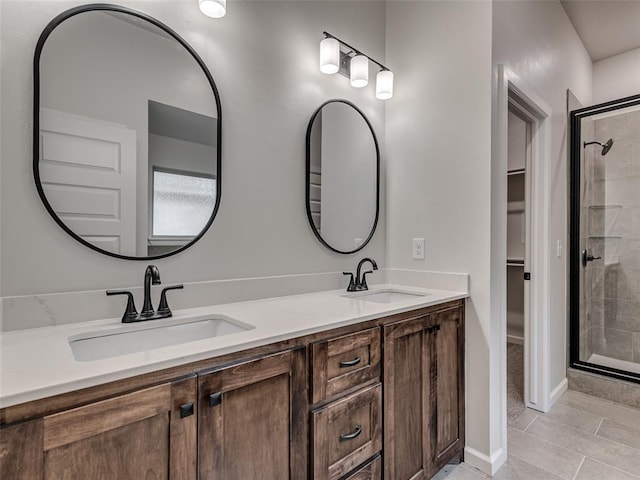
(384, 399)
(137, 435)
(252, 419)
(423, 394)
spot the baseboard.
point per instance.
(557, 392)
(488, 465)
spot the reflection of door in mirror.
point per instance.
(87, 170)
(115, 69)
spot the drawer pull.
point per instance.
(351, 436)
(350, 363)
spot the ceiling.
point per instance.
(606, 27)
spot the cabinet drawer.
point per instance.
(344, 363)
(371, 471)
(346, 433)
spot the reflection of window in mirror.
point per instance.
(182, 181)
(182, 204)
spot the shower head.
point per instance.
(605, 146)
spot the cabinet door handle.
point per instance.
(350, 363)
(186, 410)
(352, 435)
(215, 399)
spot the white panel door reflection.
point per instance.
(88, 173)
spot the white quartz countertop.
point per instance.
(38, 363)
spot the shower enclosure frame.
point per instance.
(575, 118)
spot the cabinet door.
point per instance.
(406, 400)
(446, 332)
(129, 436)
(251, 422)
(21, 451)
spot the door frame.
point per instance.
(512, 90)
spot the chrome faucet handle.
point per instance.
(352, 284)
(163, 306)
(130, 313)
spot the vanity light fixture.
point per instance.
(337, 56)
(384, 85)
(359, 71)
(213, 8)
(329, 55)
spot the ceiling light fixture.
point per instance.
(337, 56)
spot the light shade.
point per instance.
(359, 71)
(384, 85)
(213, 8)
(329, 55)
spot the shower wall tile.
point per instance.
(635, 167)
(612, 343)
(636, 347)
(622, 282)
(629, 252)
(624, 128)
(615, 308)
(617, 163)
(598, 278)
(585, 345)
(597, 312)
(618, 191)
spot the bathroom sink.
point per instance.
(126, 339)
(386, 296)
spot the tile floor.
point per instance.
(581, 438)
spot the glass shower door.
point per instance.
(605, 239)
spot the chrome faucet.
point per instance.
(360, 282)
(151, 277)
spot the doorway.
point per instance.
(519, 134)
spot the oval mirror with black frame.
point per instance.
(127, 124)
(342, 176)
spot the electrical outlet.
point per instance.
(418, 248)
(558, 248)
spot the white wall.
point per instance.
(438, 149)
(536, 41)
(264, 59)
(616, 77)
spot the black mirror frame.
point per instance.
(36, 119)
(308, 177)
